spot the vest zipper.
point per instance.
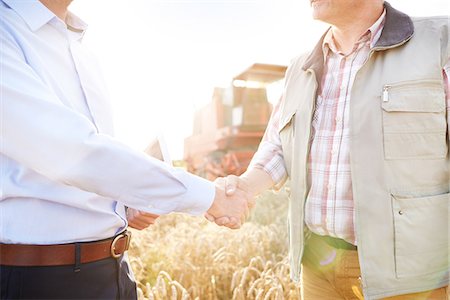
(361, 280)
(386, 93)
(406, 85)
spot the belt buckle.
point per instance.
(127, 236)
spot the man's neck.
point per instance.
(58, 7)
(348, 33)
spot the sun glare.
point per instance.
(162, 59)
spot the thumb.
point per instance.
(231, 184)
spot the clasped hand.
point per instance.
(232, 203)
(231, 206)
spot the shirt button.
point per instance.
(330, 187)
(333, 152)
(150, 206)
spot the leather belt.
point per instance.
(64, 254)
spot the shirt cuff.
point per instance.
(199, 194)
(269, 158)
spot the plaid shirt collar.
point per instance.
(398, 28)
(372, 34)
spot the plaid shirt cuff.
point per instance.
(269, 158)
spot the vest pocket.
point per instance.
(421, 230)
(414, 120)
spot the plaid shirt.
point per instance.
(329, 208)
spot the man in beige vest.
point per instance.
(361, 132)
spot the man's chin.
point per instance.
(320, 15)
(317, 16)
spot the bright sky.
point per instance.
(162, 58)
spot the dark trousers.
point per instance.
(104, 279)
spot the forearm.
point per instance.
(267, 168)
(257, 180)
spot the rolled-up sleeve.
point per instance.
(269, 156)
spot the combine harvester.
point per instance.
(228, 130)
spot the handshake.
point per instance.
(232, 202)
(234, 198)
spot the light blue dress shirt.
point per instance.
(64, 178)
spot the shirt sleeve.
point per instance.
(269, 156)
(40, 133)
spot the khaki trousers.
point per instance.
(332, 274)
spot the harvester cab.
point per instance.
(228, 130)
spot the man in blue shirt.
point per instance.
(65, 181)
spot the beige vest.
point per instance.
(398, 152)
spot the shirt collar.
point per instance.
(33, 12)
(36, 15)
(75, 24)
(398, 28)
(372, 34)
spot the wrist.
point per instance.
(247, 186)
(213, 209)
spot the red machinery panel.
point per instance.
(228, 130)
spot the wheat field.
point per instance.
(185, 257)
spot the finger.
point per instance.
(135, 225)
(138, 224)
(147, 214)
(231, 184)
(140, 220)
(143, 218)
(146, 219)
(234, 223)
(234, 226)
(222, 221)
(209, 217)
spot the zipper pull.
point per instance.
(385, 94)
